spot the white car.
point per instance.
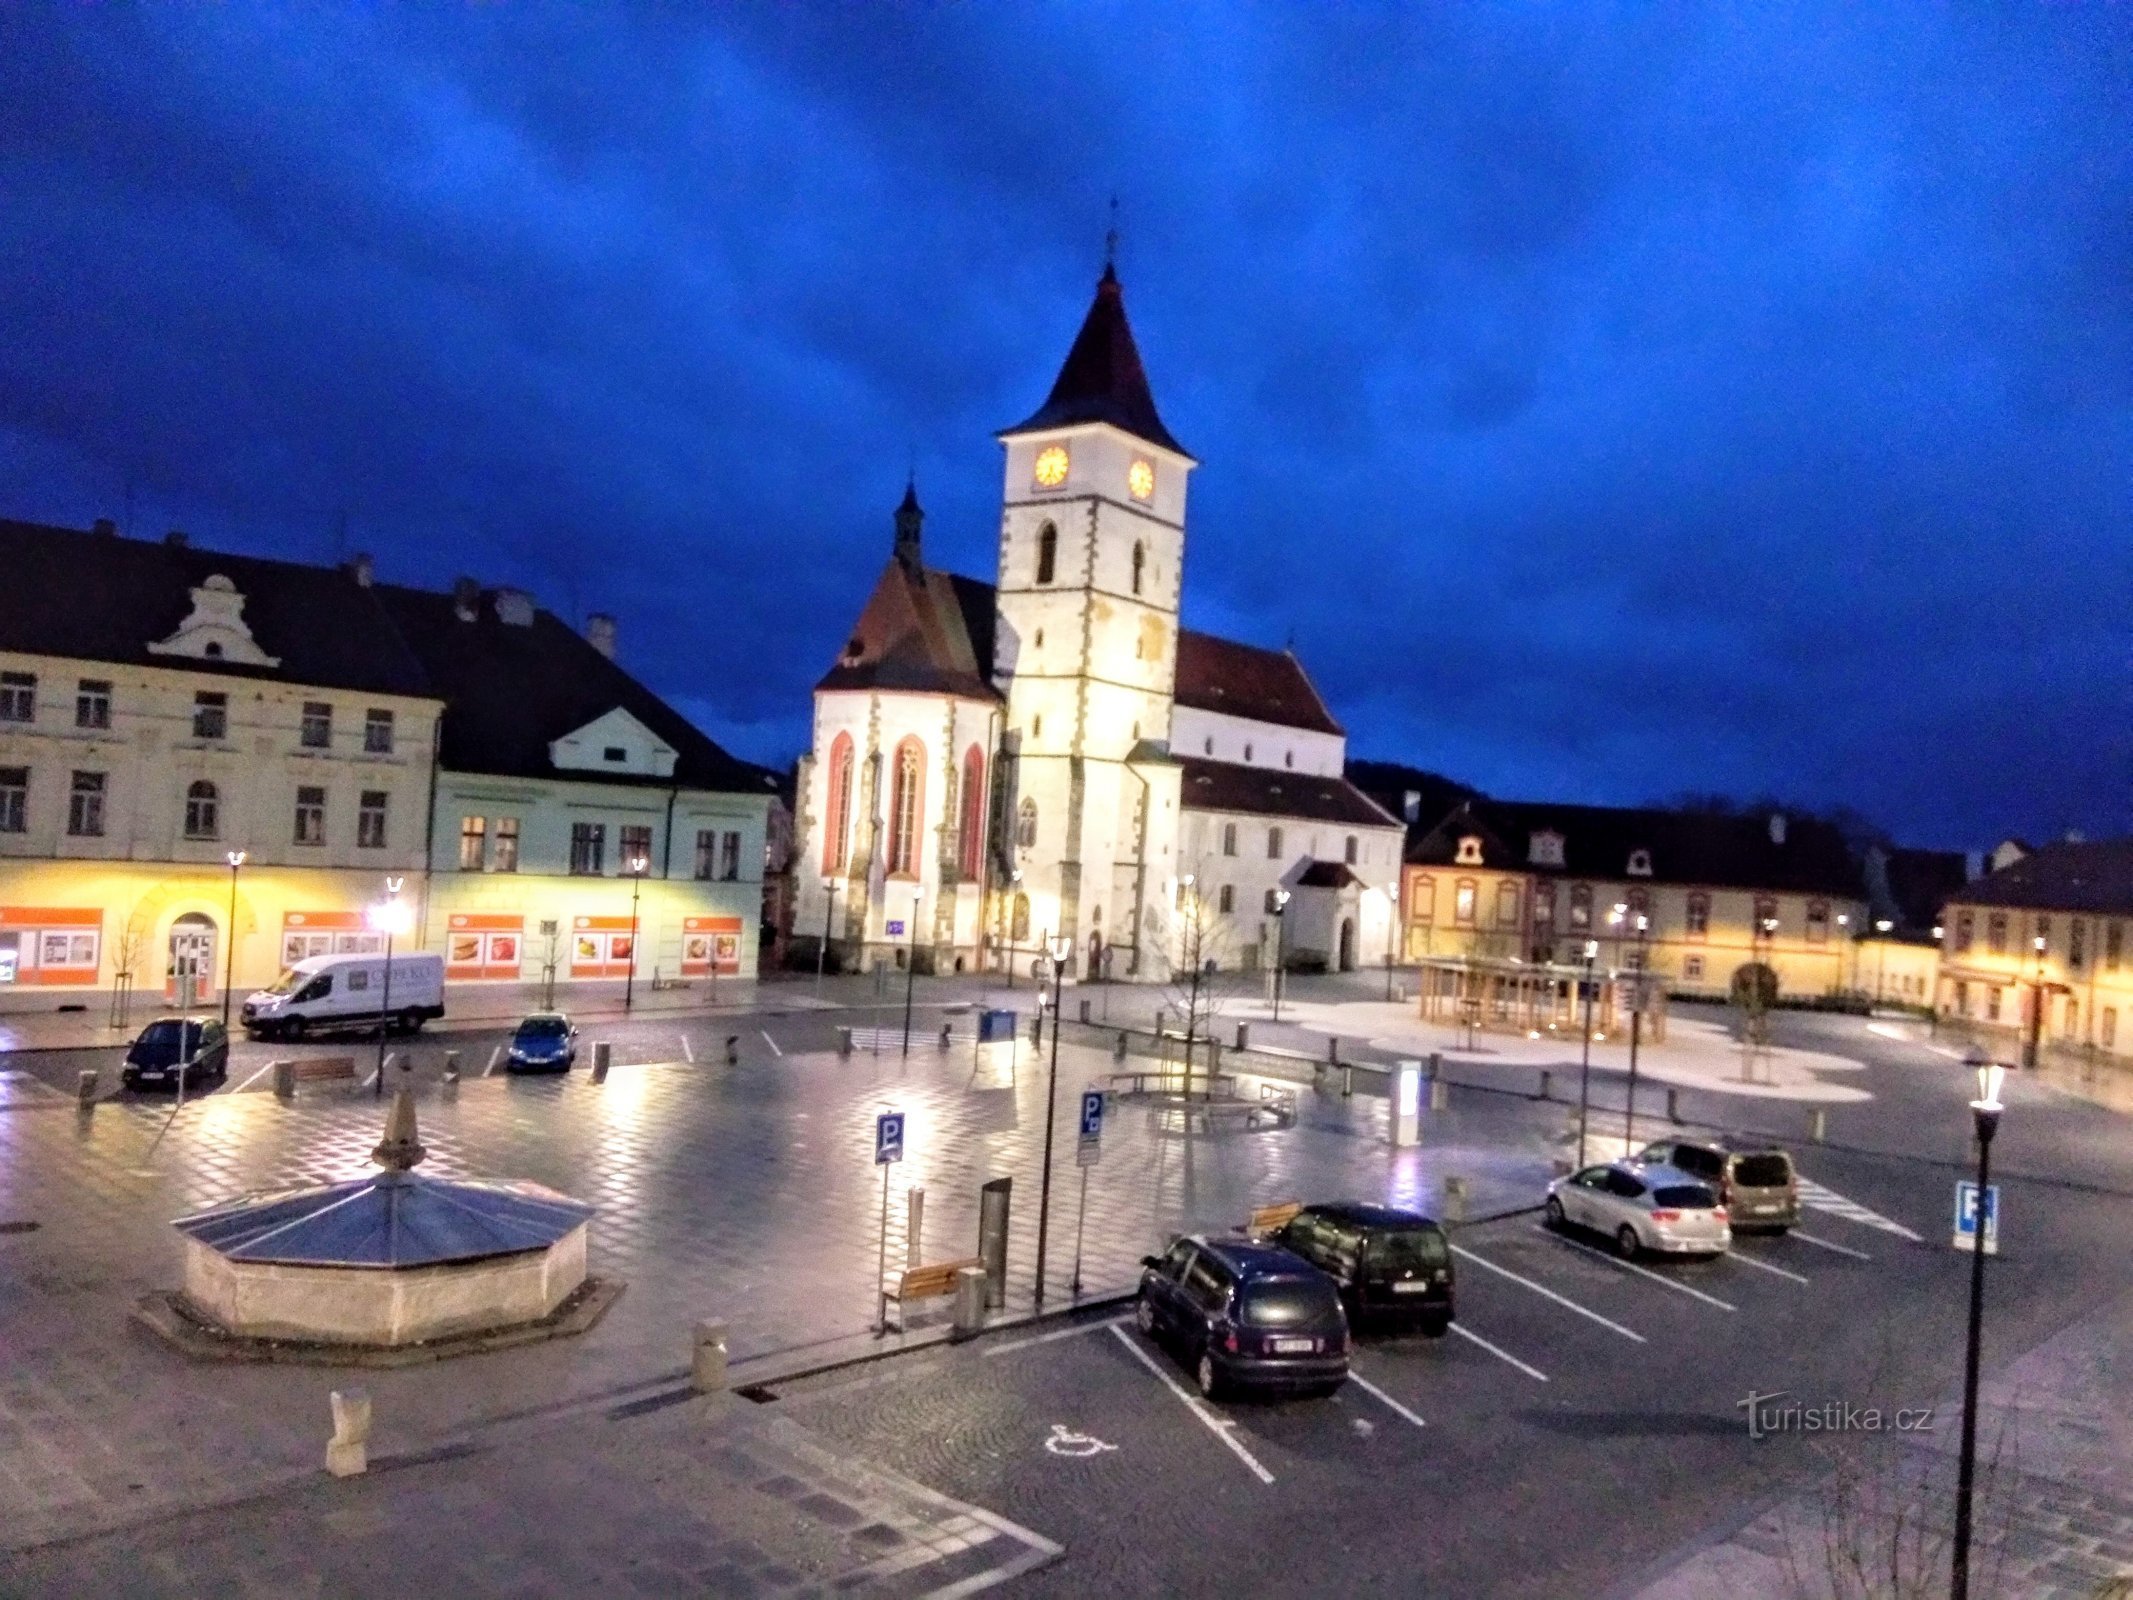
(1642, 1208)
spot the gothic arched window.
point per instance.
(1018, 922)
(907, 777)
(972, 852)
(1140, 560)
(203, 808)
(837, 813)
(1026, 824)
(1047, 553)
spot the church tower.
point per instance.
(1092, 554)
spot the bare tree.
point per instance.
(1201, 984)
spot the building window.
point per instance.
(1996, 933)
(1962, 998)
(1018, 921)
(92, 703)
(1229, 838)
(504, 857)
(1697, 915)
(729, 856)
(706, 853)
(317, 731)
(18, 697)
(1463, 898)
(473, 844)
(2072, 1029)
(1543, 907)
(906, 778)
(1226, 899)
(1692, 967)
(636, 842)
(1047, 552)
(2107, 1027)
(2044, 934)
(1348, 850)
(1140, 560)
(1817, 921)
(1273, 844)
(2077, 944)
(837, 820)
(1273, 902)
(1965, 930)
(1766, 916)
(370, 820)
(970, 855)
(1580, 907)
(211, 715)
(1207, 745)
(310, 816)
(1026, 824)
(2114, 945)
(1247, 752)
(85, 806)
(203, 809)
(588, 849)
(1507, 905)
(1544, 849)
(1992, 1004)
(1421, 899)
(377, 732)
(1640, 863)
(1469, 851)
(14, 799)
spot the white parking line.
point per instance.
(254, 1078)
(1220, 1426)
(1546, 1292)
(1395, 1405)
(774, 1050)
(1643, 1272)
(1824, 1244)
(1056, 1334)
(1501, 1355)
(1747, 1260)
(687, 1050)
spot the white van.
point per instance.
(328, 993)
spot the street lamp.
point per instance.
(636, 864)
(1592, 954)
(1639, 984)
(1881, 958)
(911, 966)
(1281, 956)
(390, 918)
(829, 908)
(229, 937)
(1192, 1004)
(1059, 946)
(1985, 1117)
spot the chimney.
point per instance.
(1777, 827)
(514, 608)
(105, 528)
(466, 598)
(362, 569)
(1411, 805)
(600, 633)
(176, 539)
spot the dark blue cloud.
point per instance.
(1607, 406)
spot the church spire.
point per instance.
(910, 520)
(1102, 379)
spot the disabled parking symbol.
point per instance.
(1065, 1442)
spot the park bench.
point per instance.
(928, 1283)
(323, 1069)
(1272, 1219)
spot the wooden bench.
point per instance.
(323, 1069)
(1272, 1219)
(928, 1283)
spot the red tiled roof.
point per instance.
(1242, 680)
(1266, 791)
(923, 631)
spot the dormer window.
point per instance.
(1469, 850)
(1545, 849)
(1640, 863)
(854, 648)
(614, 752)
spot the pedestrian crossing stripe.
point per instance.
(1821, 1199)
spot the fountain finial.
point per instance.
(400, 1149)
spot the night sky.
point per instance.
(1728, 399)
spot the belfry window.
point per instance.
(1047, 553)
(1140, 561)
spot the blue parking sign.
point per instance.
(1092, 1113)
(1966, 1217)
(888, 1138)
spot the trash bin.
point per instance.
(992, 1237)
(970, 1292)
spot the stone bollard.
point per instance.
(914, 1226)
(1455, 1198)
(1036, 1026)
(1440, 1092)
(1673, 1105)
(451, 1066)
(844, 1041)
(1084, 1010)
(85, 1089)
(969, 1303)
(1333, 1051)
(1118, 1047)
(284, 1080)
(733, 1049)
(707, 1358)
(1244, 1036)
(1547, 1088)
(1347, 1081)
(945, 1027)
(1818, 1125)
(496, 1059)
(348, 1451)
(603, 1056)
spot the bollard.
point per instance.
(1244, 1036)
(914, 1225)
(1818, 1125)
(1084, 1010)
(1455, 1198)
(1036, 1027)
(1118, 1048)
(945, 1025)
(496, 1059)
(1440, 1092)
(1673, 1105)
(451, 1066)
(603, 1054)
(733, 1049)
(284, 1080)
(707, 1358)
(844, 1041)
(85, 1089)
(1333, 1051)
(1347, 1082)
(994, 1202)
(348, 1451)
(969, 1303)
(1547, 1088)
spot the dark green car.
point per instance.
(1394, 1267)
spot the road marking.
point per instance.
(774, 1050)
(1546, 1292)
(1065, 1442)
(1747, 1260)
(1646, 1272)
(1397, 1408)
(1056, 1334)
(1813, 1194)
(687, 1053)
(1824, 1244)
(1220, 1426)
(254, 1078)
(1501, 1355)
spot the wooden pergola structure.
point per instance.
(1539, 999)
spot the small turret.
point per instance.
(910, 521)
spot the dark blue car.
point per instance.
(543, 1042)
(1245, 1315)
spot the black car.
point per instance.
(1394, 1267)
(198, 1047)
(1245, 1315)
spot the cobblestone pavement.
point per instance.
(705, 1497)
(746, 1193)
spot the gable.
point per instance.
(614, 742)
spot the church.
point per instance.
(996, 766)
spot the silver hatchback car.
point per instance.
(1642, 1208)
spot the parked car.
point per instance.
(327, 994)
(1755, 1179)
(542, 1042)
(1656, 1208)
(1245, 1315)
(196, 1048)
(1392, 1266)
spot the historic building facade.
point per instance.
(995, 766)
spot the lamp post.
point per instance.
(829, 909)
(388, 917)
(1281, 954)
(1881, 958)
(1636, 1026)
(911, 967)
(1592, 953)
(1851, 977)
(1059, 946)
(229, 937)
(636, 865)
(1192, 1003)
(2031, 1046)
(1985, 1118)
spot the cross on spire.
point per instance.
(1111, 238)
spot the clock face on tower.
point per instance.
(1140, 478)
(1051, 466)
